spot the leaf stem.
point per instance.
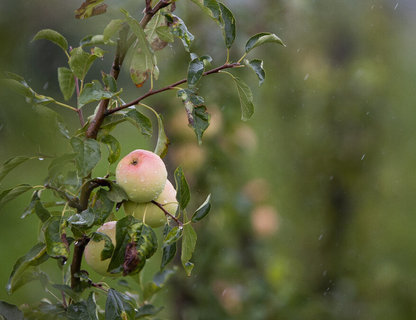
(65, 105)
(243, 56)
(169, 87)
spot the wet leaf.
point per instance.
(10, 311)
(147, 310)
(261, 38)
(54, 245)
(228, 25)
(119, 306)
(80, 61)
(173, 236)
(246, 98)
(113, 147)
(108, 244)
(195, 72)
(188, 246)
(112, 28)
(203, 210)
(182, 189)
(162, 140)
(13, 193)
(257, 66)
(10, 164)
(83, 310)
(88, 154)
(179, 29)
(94, 92)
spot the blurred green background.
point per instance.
(313, 199)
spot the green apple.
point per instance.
(142, 174)
(150, 213)
(92, 252)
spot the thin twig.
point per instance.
(169, 87)
(180, 224)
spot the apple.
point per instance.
(92, 252)
(142, 174)
(150, 213)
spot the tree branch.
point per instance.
(86, 190)
(79, 247)
(180, 224)
(121, 51)
(171, 86)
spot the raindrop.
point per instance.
(395, 7)
(321, 236)
(306, 77)
(41, 159)
(45, 86)
(362, 158)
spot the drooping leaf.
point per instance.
(66, 82)
(103, 206)
(54, 118)
(12, 193)
(83, 310)
(147, 310)
(157, 32)
(82, 220)
(109, 82)
(188, 246)
(90, 8)
(113, 147)
(191, 96)
(34, 257)
(203, 210)
(55, 247)
(119, 306)
(180, 30)
(58, 165)
(116, 193)
(10, 164)
(261, 38)
(112, 28)
(168, 251)
(257, 66)
(195, 72)
(52, 36)
(139, 120)
(42, 213)
(88, 154)
(182, 189)
(200, 121)
(162, 140)
(246, 98)
(228, 25)
(94, 92)
(140, 67)
(10, 311)
(108, 244)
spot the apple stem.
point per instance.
(180, 224)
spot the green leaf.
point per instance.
(103, 206)
(54, 245)
(203, 210)
(88, 154)
(188, 246)
(164, 34)
(10, 311)
(34, 257)
(83, 310)
(257, 66)
(200, 122)
(182, 189)
(12, 193)
(191, 96)
(58, 165)
(83, 220)
(40, 211)
(80, 62)
(195, 72)
(213, 6)
(113, 147)
(228, 25)
(168, 251)
(93, 40)
(139, 120)
(119, 306)
(90, 8)
(94, 92)
(173, 236)
(147, 310)
(116, 193)
(162, 140)
(109, 82)
(52, 36)
(10, 164)
(112, 28)
(66, 82)
(179, 29)
(108, 244)
(246, 97)
(261, 38)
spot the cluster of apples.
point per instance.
(142, 175)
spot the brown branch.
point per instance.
(171, 86)
(180, 224)
(86, 190)
(76, 262)
(122, 46)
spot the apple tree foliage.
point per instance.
(83, 202)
